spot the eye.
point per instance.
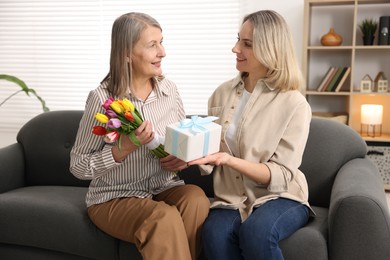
(248, 44)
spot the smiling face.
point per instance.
(147, 54)
(245, 57)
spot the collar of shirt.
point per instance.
(159, 89)
(238, 81)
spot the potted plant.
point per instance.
(24, 88)
(368, 27)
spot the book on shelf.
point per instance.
(331, 84)
(343, 77)
(327, 78)
(341, 72)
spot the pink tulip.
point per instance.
(114, 123)
(111, 114)
(108, 102)
(111, 137)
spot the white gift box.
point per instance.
(193, 138)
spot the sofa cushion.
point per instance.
(53, 218)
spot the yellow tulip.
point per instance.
(117, 107)
(102, 118)
(127, 104)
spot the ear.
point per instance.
(128, 59)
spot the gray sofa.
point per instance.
(43, 215)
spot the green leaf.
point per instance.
(25, 89)
(134, 139)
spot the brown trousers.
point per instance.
(167, 226)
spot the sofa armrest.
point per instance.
(12, 167)
(359, 222)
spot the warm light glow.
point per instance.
(371, 114)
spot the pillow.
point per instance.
(338, 118)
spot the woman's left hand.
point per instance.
(172, 163)
(214, 159)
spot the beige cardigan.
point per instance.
(273, 130)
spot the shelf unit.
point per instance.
(344, 16)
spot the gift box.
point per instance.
(193, 138)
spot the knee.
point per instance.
(253, 235)
(165, 214)
(196, 196)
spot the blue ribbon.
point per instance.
(196, 125)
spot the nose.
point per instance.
(161, 52)
(235, 48)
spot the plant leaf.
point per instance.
(26, 89)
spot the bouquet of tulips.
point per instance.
(122, 118)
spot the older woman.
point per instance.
(133, 195)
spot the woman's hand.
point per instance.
(214, 159)
(257, 172)
(144, 134)
(172, 163)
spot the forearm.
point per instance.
(120, 153)
(258, 172)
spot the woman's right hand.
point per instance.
(144, 133)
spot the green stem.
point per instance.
(10, 97)
(160, 152)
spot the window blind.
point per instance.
(61, 49)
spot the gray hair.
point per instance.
(126, 31)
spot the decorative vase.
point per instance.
(331, 38)
(368, 39)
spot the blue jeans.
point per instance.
(225, 237)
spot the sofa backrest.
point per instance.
(330, 145)
(47, 140)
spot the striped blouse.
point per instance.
(140, 174)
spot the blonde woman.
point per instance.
(261, 197)
(133, 195)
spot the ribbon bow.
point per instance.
(196, 123)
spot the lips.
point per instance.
(157, 64)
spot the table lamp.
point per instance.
(371, 119)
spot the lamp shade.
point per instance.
(371, 114)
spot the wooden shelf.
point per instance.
(344, 16)
(381, 138)
(327, 93)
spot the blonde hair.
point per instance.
(126, 31)
(273, 47)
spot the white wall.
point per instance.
(292, 10)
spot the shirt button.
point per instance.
(232, 107)
(237, 177)
(243, 194)
(226, 122)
